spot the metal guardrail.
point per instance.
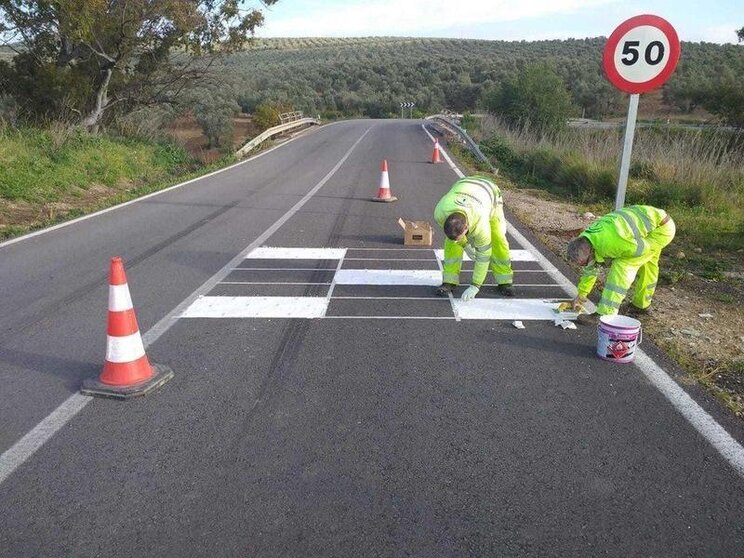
(447, 124)
(276, 130)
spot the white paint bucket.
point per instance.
(617, 338)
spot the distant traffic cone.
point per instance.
(383, 193)
(435, 155)
(126, 372)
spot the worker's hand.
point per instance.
(576, 305)
(469, 293)
(470, 251)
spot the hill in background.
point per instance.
(372, 76)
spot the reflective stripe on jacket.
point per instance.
(474, 197)
(620, 234)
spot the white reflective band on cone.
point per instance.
(119, 298)
(124, 349)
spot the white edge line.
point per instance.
(729, 448)
(152, 195)
(23, 449)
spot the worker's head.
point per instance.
(455, 226)
(580, 251)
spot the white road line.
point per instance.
(450, 296)
(266, 283)
(514, 255)
(389, 259)
(726, 445)
(333, 282)
(729, 448)
(280, 269)
(452, 318)
(24, 448)
(257, 307)
(19, 452)
(505, 309)
(278, 253)
(418, 277)
(421, 250)
(429, 298)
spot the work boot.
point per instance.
(507, 289)
(445, 289)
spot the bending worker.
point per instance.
(633, 237)
(472, 216)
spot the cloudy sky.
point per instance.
(695, 20)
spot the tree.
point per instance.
(536, 97)
(267, 115)
(740, 34)
(213, 110)
(87, 56)
(725, 99)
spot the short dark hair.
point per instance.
(579, 250)
(455, 225)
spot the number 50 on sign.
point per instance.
(639, 56)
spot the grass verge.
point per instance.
(48, 176)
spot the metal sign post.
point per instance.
(630, 125)
(639, 56)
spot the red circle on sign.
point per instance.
(608, 58)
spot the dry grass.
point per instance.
(697, 174)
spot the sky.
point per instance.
(695, 20)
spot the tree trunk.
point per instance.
(93, 120)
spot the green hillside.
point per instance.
(371, 76)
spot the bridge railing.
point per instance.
(445, 122)
(286, 117)
(290, 124)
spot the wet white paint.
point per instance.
(268, 253)
(514, 255)
(257, 307)
(416, 277)
(502, 309)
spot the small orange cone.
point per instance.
(383, 192)
(435, 155)
(126, 372)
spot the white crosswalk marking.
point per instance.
(280, 273)
(257, 307)
(389, 277)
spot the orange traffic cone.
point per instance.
(435, 155)
(383, 193)
(126, 372)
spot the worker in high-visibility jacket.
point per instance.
(472, 216)
(633, 237)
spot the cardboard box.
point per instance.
(416, 233)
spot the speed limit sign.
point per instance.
(641, 54)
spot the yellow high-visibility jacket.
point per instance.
(625, 236)
(475, 197)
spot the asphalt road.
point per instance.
(386, 427)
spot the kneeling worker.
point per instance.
(472, 216)
(633, 237)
